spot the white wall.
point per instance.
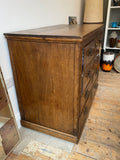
(26, 14)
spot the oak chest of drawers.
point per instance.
(55, 71)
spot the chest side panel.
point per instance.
(44, 77)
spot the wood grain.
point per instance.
(89, 53)
(93, 150)
(47, 66)
(77, 87)
(7, 139)
(2, 153)
(77, 156)
(101, 138)
(46, 74)
(70, 31)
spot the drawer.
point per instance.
(89, 71)
(89, 53)
(3, 99)
(84, 115)
(87, 76)
(88, 90)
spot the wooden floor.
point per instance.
(101, 136)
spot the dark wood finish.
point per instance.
(46, 74)
(90, 52)
(9, 135)
(88, 74)
(48, 66)
(87, 92)
(59, 31)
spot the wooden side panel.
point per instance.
(44, 78)
(9, 135)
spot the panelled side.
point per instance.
(44, 79)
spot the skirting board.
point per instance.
(49, 131)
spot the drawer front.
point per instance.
(90, 70)
(91, 63)
(85, 112)
(87, 76)
(3, 99)
(88, 90)
(89, 53)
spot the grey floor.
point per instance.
(28, 135)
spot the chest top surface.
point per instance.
(63, 31)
